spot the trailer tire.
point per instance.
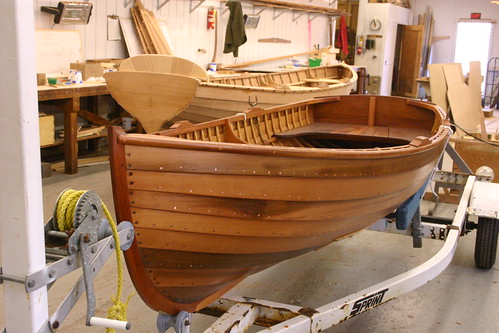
(486, 242)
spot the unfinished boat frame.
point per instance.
(157, 88)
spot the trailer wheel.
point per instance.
(486, 242)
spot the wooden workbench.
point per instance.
(69, 99)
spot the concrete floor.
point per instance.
(461, 299)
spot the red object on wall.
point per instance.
(343, 34)
(211, 18)
(476, 16)
(360, 44)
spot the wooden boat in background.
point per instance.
(226, 96)
(151, 98)
(217, 97)
(215, 202)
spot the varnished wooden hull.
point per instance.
(209, 211)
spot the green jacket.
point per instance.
(235, 35)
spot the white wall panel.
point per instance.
(188, 33)
(446, 15)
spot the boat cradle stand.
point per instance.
(236, 313)
(88, 246)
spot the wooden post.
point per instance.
(21, 208)
(71, 108)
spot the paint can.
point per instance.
(213, 67)
(126, 123)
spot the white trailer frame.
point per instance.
(243, 312)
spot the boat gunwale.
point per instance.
(274, 90)
(162, 139)
(252, 149)
(352, 78)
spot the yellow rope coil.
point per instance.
(65, 211)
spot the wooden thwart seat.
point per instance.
(349, 130)
(331, 81)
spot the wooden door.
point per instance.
(410, 60)
(352, 7)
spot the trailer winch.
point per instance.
(87, 242)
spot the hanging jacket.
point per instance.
(343, 35)
(235, 35)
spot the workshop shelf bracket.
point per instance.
(297, 16)
(259, 12)
(312, 17)
(223, 9)
(191, 8)
(276, 13)
(160, 4)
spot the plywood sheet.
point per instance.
(465, 106)
(56, 49)
(475, 84)
(132, 39)
(438, 86)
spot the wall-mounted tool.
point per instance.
(251, 21)
(70, 12)
(273, 40)
(375, 24)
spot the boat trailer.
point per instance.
(91, 243)
(236, 313)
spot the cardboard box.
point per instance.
(47, 136)
(41, 79)
(87, 69)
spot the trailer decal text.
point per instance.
(367, 302)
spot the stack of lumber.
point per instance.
(449, 89)
(428, 22)
(249, 63)
(151, 36)
(461, 96)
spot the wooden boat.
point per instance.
(215, 202)
(151, 98)
(218, 97)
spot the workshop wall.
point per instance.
(446, 14)
(188, 34)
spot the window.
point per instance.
(473, 43)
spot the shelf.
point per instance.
(299, 7)
(59, 142)
(283, 5)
